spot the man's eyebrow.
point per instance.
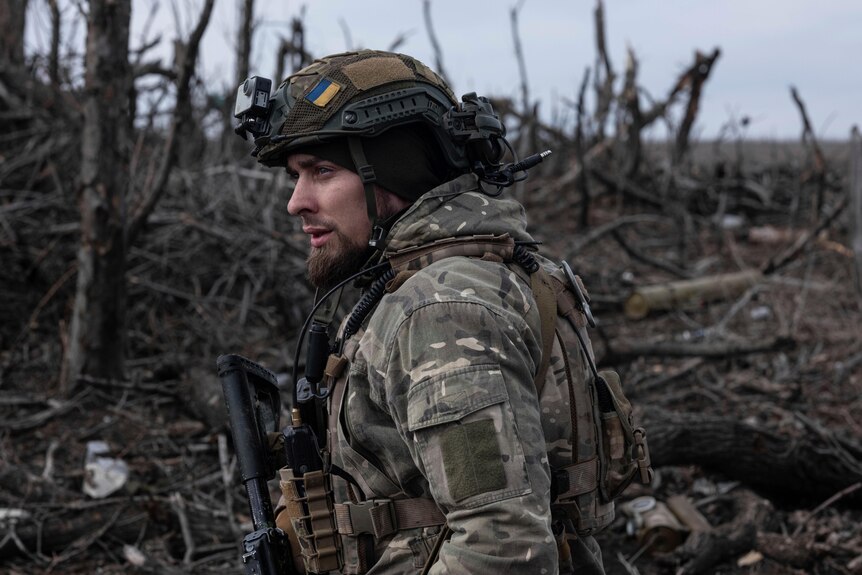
(305, 162)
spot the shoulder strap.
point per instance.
(418, 257)
(546, 300)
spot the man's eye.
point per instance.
(292, 175)
(323, 170)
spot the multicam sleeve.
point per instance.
(461, 390)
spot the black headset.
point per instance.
(474, 124)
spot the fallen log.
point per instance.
(805, 468)
(619, 351)
(688, 293)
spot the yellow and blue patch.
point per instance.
(323, 93)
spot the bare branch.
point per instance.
(699, 73)
(54, 57)
(186, 68)
(519, 56)
(808, 133)
(659, 109)
(155, 68)
(856, 199)
(348, 37)
(438, 53)
(794, 250)
(583, 180)
(630, 125)
(246, 31)
(398, 41)
(13, 15)
(604, 73)
(294, 47)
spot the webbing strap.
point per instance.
(366, 174)
(546, 300)
(382, 517)
(578, 478)
(418, 257)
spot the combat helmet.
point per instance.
(362, 94)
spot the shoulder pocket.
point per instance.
(452, 395)
(467, 437)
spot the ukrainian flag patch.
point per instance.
(321, 94)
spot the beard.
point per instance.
(335, 261)
(343, 255)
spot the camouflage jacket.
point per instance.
(439, 401)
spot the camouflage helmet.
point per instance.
(359, 95)
(363, 94)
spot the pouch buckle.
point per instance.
(375, 516)
(643, 458)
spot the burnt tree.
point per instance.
(96, 338)
(244, 37)
(13, 15)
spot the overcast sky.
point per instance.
(767, 45)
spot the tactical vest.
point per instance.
(594, 448)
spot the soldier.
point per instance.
(434, 441)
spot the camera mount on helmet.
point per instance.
(253, 107)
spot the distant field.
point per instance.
(756, 153)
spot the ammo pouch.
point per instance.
(308, 501)
(586, 490)
(625, 446)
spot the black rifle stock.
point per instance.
(253, 408)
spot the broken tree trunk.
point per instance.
(96, 338)
(603, 75)
(688, 293)
(625, 350)
(808, 465)
(856, 203)
(699, 73)
(809, 139)
(13, 14)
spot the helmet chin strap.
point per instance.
(366, 174)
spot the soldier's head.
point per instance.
(365, 134)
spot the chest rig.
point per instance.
(597, 450)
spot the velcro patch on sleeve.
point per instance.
(471, 459)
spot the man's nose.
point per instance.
(301, 199)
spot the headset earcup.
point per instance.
(488, 151)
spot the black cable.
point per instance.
(522, 256)
(511, 173)
(314, 309)
(365, 304)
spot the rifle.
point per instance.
(253, 407)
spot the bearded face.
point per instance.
(330, 200)
(336, 260)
